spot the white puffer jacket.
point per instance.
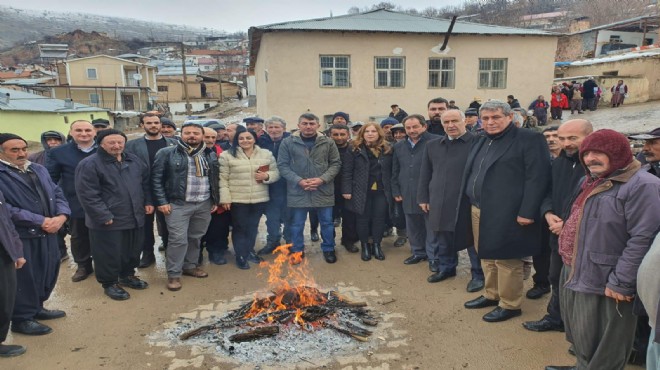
(237, 182)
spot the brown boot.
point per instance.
(196, 272)
(173, 284)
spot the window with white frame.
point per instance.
(335, 71)
(441, 72)
(94, 98)
(492, 73)
(91, 74)
(390, 71)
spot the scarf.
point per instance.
(201, 165)
(569, 233)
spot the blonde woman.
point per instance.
(366, 176)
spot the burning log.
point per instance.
(256, 333)
(361, 338)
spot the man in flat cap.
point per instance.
(168, 128)
(651, 150)
(38, 209)
(255, 124)
(101, 124)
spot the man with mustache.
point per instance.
(38, 209)
(436, 107)
(607, 233)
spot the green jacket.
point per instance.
(296, 162)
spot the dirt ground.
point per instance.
(427, 326)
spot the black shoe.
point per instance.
(242, 263)
(315, 236)
(481, 302)
(336, 222)
(538, 291)
(413, 260)
(81, 274)
(501, 314)
(637, 357)
(116, 292)
(377, 251)
(46, 314)
(30, 327)
(267, 249)
(11, 350)
(400, 241)
(475, 285)
(366, 251)
(330, 257)
(217, 258)
(133, 282)
(434, 265)
(560, 368)
(543, 325)
(350, 247)
(147, 260)
(161, 247)
(252, 257)
(440, 276)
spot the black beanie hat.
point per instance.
(4, 137)
(102, 134)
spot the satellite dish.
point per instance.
(137, 77)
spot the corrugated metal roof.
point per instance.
(22, 101)
(389, 21)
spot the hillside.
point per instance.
(20, 26)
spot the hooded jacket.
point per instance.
(40, 157)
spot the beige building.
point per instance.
(363, 63)
(107, 82)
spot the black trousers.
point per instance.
(313, 221)
(161, 225)
(245, 218)
(542, 260)
(116, 253)
(37, 279)
(216, 239)
(554, 273)
(80, 243)
(373, 218)
(7, 292)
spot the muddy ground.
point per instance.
(425, 325)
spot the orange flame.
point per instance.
(291, 284)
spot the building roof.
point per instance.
(177, 71)
(636, 24)
(105, 56)
(28, 81)
(22, 101)
(383, 20)
(13, 74)
(617, 57)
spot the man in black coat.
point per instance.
(341, 135)
(505, 180)
(113, 189)
(589, 99)
(11, 259)
(146, 148)
(406, 165)
(38, 210)
(567, 172)
(438, 195)
(436, 107)
(61, 163)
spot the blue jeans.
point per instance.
(277, 214)
(298, 218)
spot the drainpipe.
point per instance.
(451, 28)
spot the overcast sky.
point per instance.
(228, 15)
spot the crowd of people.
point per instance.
(573, 202)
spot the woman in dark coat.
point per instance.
(366, 184)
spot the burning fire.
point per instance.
(291, 291)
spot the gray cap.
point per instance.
(655, 134)
(356, 124)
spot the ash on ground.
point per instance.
(310, 344)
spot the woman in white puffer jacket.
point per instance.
(245, 172)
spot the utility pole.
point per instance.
(185, 80)
(217, 57)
